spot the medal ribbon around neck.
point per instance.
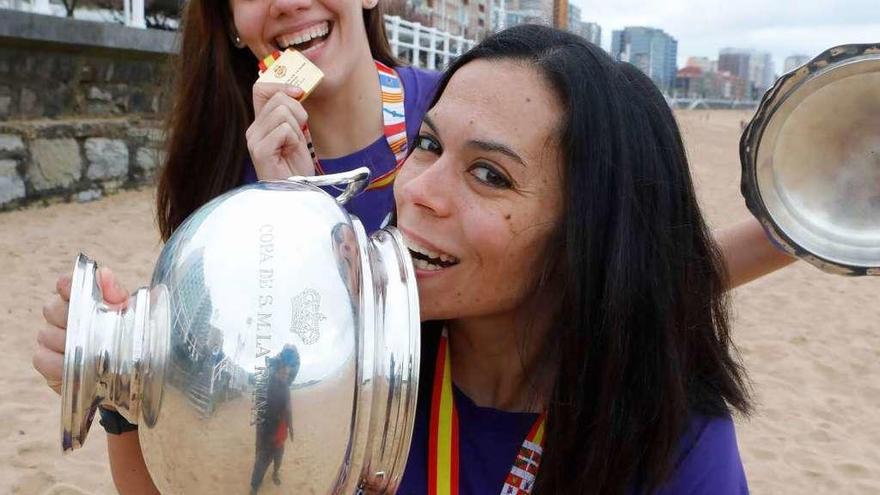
(393, 119)
(443, 459)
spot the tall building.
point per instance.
(735, 61)
(651, 50)
(472, 19)
(694, 82)
(574, 15)
(795, 61)
(753, 66)
(704, 63)
(537, 9)
(591, 31)
(763, 72)
(515, 17)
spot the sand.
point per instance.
(809, 340)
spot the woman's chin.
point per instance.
(430, 312)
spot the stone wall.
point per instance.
(78, 159)
(81, 105)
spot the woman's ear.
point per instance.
(369, 4)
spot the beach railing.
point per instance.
(423, 46)
(419, 45)
(133, 11)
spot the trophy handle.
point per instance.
(356, 181)
(104, 355)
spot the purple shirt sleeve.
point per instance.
(709, 462)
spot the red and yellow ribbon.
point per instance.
(443, 460)
(443, 440)
(268, 60)
(394, 124)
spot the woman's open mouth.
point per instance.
(427, 259)
(306, 39)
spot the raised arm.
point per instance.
(126, 461)
(748, 253)
(127, 465)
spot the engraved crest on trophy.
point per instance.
(306, 316)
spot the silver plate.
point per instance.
(811, 161)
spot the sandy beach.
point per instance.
(810, 341)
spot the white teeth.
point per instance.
(425, 265)
(419, 263)
(299, 37)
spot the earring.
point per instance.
(236, 40)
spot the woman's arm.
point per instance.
(130, 473)
(748, 253)
(126, 461)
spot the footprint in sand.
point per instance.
(852, 469)
(764, 454)
(33, 482)
(64, 489)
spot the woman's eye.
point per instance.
(427, 143)
(490, 176)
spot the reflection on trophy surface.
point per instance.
(811, 161)
(277, 341)
(273, 414)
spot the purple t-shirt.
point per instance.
(489, 440)
(373, 207)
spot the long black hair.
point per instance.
(642, 341)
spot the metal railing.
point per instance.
(419, 45)
(133, 13)
(219, 368)
(714, 103)
(423, 46)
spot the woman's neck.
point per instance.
(497, 361)
(349, 117)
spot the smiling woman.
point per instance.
(480, 188)
(226, 130)
(549, 210)
(582, 301)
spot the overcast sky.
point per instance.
(781, 27)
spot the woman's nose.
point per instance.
(430, 188)
(278, 8)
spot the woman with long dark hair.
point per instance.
(565, 270)
(223, 130)
(576, 292)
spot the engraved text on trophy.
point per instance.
(266, 281)
(265, 284)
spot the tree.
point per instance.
(69, 6)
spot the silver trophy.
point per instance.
(277, 344)
(811, 161)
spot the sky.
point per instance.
(781, 27)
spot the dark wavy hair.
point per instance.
(642, 341)
(213, 106)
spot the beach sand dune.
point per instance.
(810, 341)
